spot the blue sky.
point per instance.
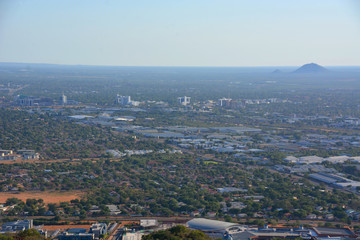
(181, 32)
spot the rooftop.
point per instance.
(210, 225)
(333, 231)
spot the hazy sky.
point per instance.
(181, 32)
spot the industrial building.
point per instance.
(335, 180)
(334, 232)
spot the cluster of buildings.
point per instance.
(335, 121)
(336, 180)
(230, 189)
(319, 172)
(96, 230)
(316, 159)
(264, 101)
(213, 228)
(230, 103)
(284, 143)
(348, 121)
(312, 165)
(30, 101)
(19, 155)
(215, 143)
(299, 141)
(301, 169)
(118, 154)
(146, 226)
(232, 140)
(234, 231)
(184, 100)
(17, 226)
(267, 140)
(125, 101)
(10, 88)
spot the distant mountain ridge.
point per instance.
(277, 71)
(311, 68)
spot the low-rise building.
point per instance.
(76, 236)
(334, 232)
(98, 229)
(148, 223)
(214, 228)
(132, 236)
(16, 226)
(29, 154)
(21, 154)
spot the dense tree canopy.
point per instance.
(177, 233)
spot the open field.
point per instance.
(47, 196)
(39, 161)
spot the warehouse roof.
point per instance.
(204, 224)
(323, 231)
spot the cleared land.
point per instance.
(47, 196)
(40, 161)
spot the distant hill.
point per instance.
(311, 68)
(277, 71)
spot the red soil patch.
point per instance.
(47, 196)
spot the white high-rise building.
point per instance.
(123, 100)
(224, 102)
(184, 100)
(63, 99)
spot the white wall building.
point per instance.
(224, 102)
(184, 100)
(123, 100)
(63, 99)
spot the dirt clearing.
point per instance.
(47, 196)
